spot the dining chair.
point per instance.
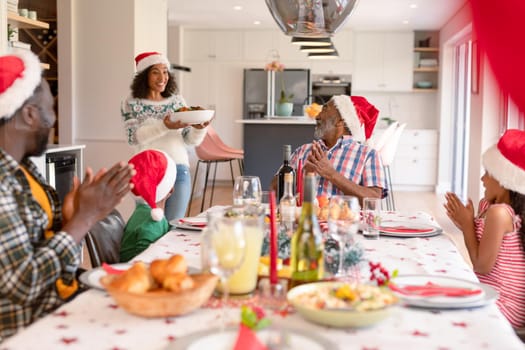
(103, 239)
(387, 153)
(213, 151)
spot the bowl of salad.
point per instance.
(340, 304)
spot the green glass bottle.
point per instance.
(307, 251)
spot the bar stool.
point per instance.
(387, 153)
(211, 151)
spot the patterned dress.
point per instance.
(508, 274)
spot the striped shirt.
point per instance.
(508, 274)
(355, 161)
(30, 264)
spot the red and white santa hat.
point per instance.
(505, 161)
(359, 115)
(147, 59)
(20, 74)
(155, 176)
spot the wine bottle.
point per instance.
(307, 251)
(284, 169)
(287, 205)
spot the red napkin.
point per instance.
(110, 270)
(431, 289)
(404, 229)
(193, 223)
(247, 340)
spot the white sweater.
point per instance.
(145, 127)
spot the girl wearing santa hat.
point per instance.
(495, 238)
(148, 126)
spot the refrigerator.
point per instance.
(255, 95)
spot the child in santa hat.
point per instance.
(495, 238)
(153, 183)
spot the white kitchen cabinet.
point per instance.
(383, 61)
(200, 85)
(206, 45)
(258, 44)
(415, 161)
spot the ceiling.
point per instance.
(368, 14)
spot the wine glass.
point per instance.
(343, 222)
(247, 190)
(226, 248)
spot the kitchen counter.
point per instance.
(279, 120)
(263, 141)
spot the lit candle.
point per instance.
(299, 184)
(273, 240)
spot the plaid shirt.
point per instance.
(29, 263)
(356, 162)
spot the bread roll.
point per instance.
(178, 282)
(162, 268)
(137, 279)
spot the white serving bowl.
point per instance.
(192, 117)
(335, 317)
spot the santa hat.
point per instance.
(20, 74)
(505, 161)
(155, 176)
(359, 115)
(147, 59)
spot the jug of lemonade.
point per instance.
(244, 280)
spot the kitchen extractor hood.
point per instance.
(310, 18)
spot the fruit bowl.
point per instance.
(163, 303)
(312, 302)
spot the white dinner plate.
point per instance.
(181, 226)
(192, 117)
(487, 295)
(92, 277)
(217, 340)
(408, 229)
(198, 221)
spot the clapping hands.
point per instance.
(94, 198)
(461, 215)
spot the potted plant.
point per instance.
(285, 103)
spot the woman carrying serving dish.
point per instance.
(146, 113)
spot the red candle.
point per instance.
(299, 184)
(273, 240)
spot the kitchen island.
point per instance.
(263, 141)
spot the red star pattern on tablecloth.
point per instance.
(418, 333)
(61, 314)
(68, 341)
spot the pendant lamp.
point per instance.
(310, 18)
(311, 41)
(323, 55)
(317, 49)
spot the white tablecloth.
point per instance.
(93, 321)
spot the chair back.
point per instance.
(219, 143)
(103, 239)
(209, 150)
(378, 142)
(389, 149)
